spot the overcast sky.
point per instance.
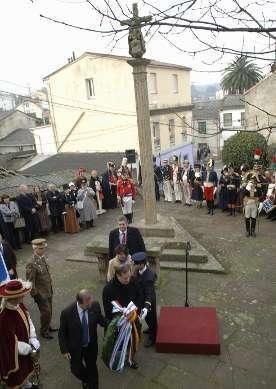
(32, 47)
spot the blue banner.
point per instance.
(4, 274)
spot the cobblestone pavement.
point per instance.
(244, 298)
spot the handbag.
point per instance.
(19, 223)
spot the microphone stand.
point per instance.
(188, 248)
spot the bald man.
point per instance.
(78, 340)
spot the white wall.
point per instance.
(107, 121)
(263, 96)
(44, 140)
(236, 124)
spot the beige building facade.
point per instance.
(260, 106)
(92, 104)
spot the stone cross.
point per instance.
(137, 50)
(136, 41)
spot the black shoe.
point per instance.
(133, 365)
(51, 329)
(146, 331)
(149, 343)
(47, 336)
(85, 385)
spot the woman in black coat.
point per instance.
(123, 289)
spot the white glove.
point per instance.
(143, 313)
(24, 348)
(35, 343)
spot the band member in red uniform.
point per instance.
(210, 186)
(19, 343)
(126, 195)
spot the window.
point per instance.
(242, 119)
(202, 127)
(156, 135)
(90, 88)
(172, 132)
(175, 83)
(152, 83)
(227, 120)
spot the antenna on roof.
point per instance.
(72, 59)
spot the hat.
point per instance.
(40, 242)
(84, 180)
(139, 257)
(257, 154)
(197, 166)
(165, 160)
(15, 288)
(244, 167)
(71, 184)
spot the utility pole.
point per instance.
(139, 64)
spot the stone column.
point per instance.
(144, 132)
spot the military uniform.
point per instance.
(177, 176)
(145, 280)
(251, 199)
(166, 171)
(37, 271)
(126, 193)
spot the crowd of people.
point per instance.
(37, 211)
(128, 297)
(129, 294)
(251, 191)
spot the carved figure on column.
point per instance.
(136, 41)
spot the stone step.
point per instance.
(209, 267)
(174, 244)
(178, 255)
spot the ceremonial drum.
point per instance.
(208, 191)
(267, 205)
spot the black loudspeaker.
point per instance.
(131, 156)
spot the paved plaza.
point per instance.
(244, 298)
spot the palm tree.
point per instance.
(240, 75)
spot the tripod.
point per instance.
(188, 249)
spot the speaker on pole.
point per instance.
(131, 156)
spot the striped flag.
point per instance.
(4, 274)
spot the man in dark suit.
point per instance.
(145, 280)
(126, 236)
(78, 340)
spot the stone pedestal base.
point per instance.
(163, 229)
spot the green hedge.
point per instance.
(239, 149)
